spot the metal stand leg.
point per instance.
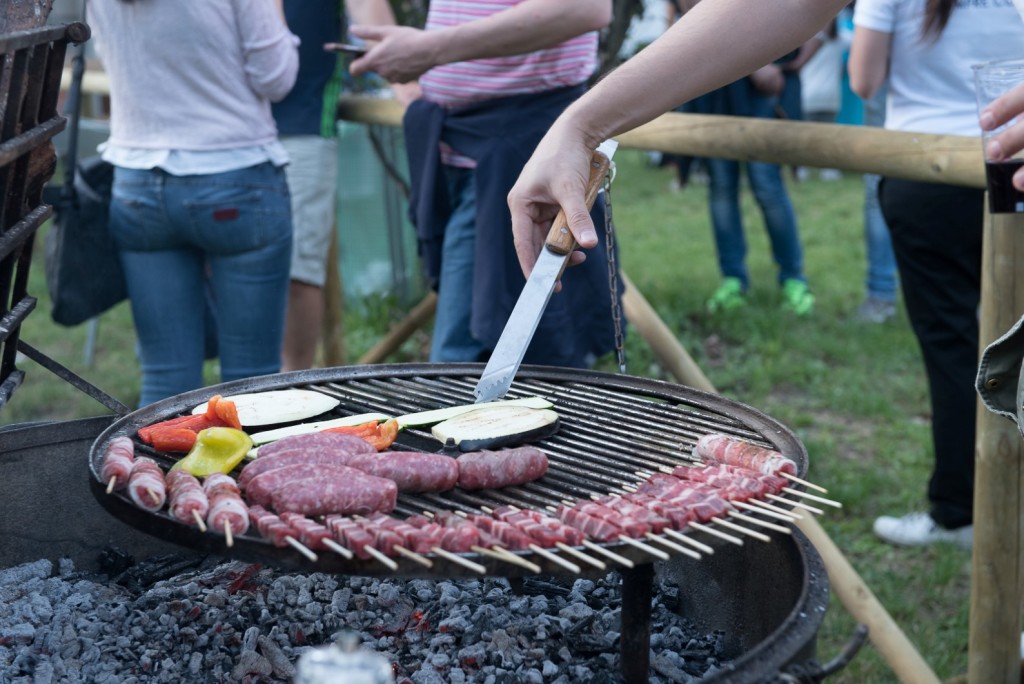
(637, 591)
(89, 352)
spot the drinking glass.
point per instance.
(991, 80)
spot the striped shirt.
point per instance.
(461, 83)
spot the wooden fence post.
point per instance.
(997, 579)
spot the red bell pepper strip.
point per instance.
(170, 435)
(380, 435)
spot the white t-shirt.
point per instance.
(931, 83)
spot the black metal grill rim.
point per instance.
(612, 427)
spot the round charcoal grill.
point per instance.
(612, 427)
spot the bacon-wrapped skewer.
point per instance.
(117, 463)
(724, 449)
(146, 485)
(188, 502)
(228, 513)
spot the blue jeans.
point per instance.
(727, 219)
(452, 339)
(177, 235)
(881, 272)
(881, 279)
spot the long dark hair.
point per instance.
(936, 16)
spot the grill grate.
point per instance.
(612, 427)
(31, 63)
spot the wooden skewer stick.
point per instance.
(582, 556)
(302, 548)
(760, 523)
(798, 504)
(499, 553)
(390, 564)
(686, 539)
(812, 497)
(717, 533)
(657, 553)
(111, 484)
(672, 545)
(621, 560)
(413, 556)
(757, 503)
(152, 493)
(455, 558)
(228, 539)
(629, 488)
(337, 548)
(200, 523)
(805, 483)
(765, 511)
(742, 530)
(555, 558)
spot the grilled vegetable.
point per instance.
(216, 450)
(439, 415)
(302, 428)
(380, 435)
(278, 406)
(497, 426)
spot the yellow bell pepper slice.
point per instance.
(217, 450)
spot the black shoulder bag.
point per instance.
(83, 269)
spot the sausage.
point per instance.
(412, 471)
(736, 452)
(146, 485)
(504, 468)
(335, 448)
(355, 494)
(260, 490)
(316, 440)
(118, 462)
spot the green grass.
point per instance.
(855, 394)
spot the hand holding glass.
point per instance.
(996, 83)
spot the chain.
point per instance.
(613, 272)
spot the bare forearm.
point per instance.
(688, 60)
(522, 28)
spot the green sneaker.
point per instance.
(728, 296)
(796, 297)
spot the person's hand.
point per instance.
(405, 93)
(554, 179)
(399, 54)
(768, 80)
(1010, 141)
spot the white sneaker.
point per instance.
(918, 529)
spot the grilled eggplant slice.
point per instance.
(438, 415)
(494, 427)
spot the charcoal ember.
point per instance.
(589, 643)
(114, 561)
(241, 622)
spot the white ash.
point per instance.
(238, 622)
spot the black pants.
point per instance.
(937, 235)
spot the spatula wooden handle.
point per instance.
(560, 239)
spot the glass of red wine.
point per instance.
(991, 80)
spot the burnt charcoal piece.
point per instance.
(114, 561)
(150, 571)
